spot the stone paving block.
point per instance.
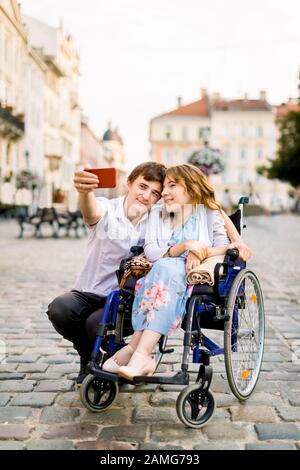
(8, 367)
(257, 413)
(32, 368)
(113, 416)
(217, 431)
(42, 376)
(34, 399)
(16, 386)
(18, 432)
(55, 386)
(71, 399)
(105, 445)
(218, 446)
(163, 398)
(177, 433)
(71, 431)
(277, 431)
(57, 359)
(63, 369)
(225, 400)
(274, 445)
(4, 398)
(293, 397)
(15, 414)
(149, 415)
(131, 400)
(12, 445)
(156, 446)
(11, 376)
(43, 444)
(21, 359)
(136, 433)
(58, 414)
(288, 413)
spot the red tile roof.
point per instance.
(282, 110)
(198, 108)
(241, 105)
(203, 107)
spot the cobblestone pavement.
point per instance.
(40, 407)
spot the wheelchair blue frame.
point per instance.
(209, 307)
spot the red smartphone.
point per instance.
(107, 176)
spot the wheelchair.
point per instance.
(233, 305)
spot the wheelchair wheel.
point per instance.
(244, 334)
(195, 407)
(98, 394)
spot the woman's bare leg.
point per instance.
(147, 342)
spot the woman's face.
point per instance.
(175, 195)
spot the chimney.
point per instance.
(263, 95)
(179, 101)
(216, 96)
(203, 93)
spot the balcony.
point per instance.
(11, 127)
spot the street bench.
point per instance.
(50, 217)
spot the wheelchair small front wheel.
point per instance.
(98, 394)
(195, 407)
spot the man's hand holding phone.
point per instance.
(85, 182)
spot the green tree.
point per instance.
(286, 166)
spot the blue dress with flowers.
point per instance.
(160, 296)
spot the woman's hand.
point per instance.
(244, 250)
(197, 248)
(192, 261)
(85, 182)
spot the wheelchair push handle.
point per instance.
(136, 250)
(233, 254)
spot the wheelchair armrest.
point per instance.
(231, 255)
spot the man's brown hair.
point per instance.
(151, 171)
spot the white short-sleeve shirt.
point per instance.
(109, 242)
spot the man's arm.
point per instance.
(86, 183)
(236, 239)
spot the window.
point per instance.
(168, 132)
(184, 133)
(204, 133)
(168, 158)
(242, 176)
(243, 131)
(259, 153)
(243, 154)
(259, 131)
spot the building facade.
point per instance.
(62, 121)
(13, 49)
(246, 132)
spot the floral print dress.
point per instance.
(160, 297)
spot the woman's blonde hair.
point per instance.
(196, 185)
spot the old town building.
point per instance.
(246, 132)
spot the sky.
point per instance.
(138, 56)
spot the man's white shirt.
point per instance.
(109, 242)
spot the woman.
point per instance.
(189, 222)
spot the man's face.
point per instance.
(142, 195)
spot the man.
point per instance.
(115, 226)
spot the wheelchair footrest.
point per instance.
(181, 378)
(104, 375)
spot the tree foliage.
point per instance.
(286, 166)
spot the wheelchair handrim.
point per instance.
(244, 336)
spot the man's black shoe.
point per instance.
(83, 370)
